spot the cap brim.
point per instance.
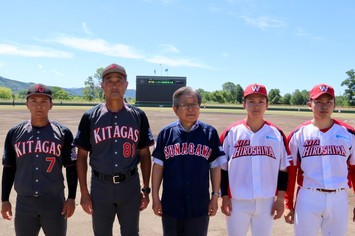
(40, 94)
(318, 95)
(114, 70)
(255, 93)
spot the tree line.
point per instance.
(230, 94)
(233, 93)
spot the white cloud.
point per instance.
(176, 62)
(41, 67)
(263, 22)
(53, 71)
(99, 46)
(164, 2)
(238, 1)
(86, 29)
(225, 54)
(57, 73)
(169, 48)
(300, 32)
(214, 9)
(32, 51)
(168, 2)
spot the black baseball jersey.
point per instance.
(39, 153)
(187, 158)
(113, 138)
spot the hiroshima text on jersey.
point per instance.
(243, 148)
(313, 148)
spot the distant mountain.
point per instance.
(17, 86)
(74, 91)
(131, 93)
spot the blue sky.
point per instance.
(284, 44)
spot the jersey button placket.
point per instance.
(327, 169)
(37, 165)
(256, 168)
(115, 158)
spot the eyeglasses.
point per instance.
(186, 106)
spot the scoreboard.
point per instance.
(157, 89)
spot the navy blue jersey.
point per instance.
(187, 158)
(113, 138)
(38, 155)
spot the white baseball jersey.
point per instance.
(323, 155)
(254, 159)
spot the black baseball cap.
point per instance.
(39, 89)
(114, 68)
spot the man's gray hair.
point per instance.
(185, 91)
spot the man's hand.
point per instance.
(226, 206)
(157, 207)
(278, 208)
(86, 203)
(68, 208)
(213, 206)
(290, 216)
(144, 201)
(6, 211)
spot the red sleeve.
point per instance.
(351, 176)
(290, 192)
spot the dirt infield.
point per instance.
(150, 225)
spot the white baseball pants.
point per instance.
(317, 210)
(255, 213)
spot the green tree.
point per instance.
(89, 89)
(230, 90)
(98, 76)
(305, 95)
(342, 101)
(60, 94)
(286, 99)
(239, 93)
(297, 98)
(5, 93)
(274, 96)
(22, 94)
(207, 96)
(204, 95)
(350, 83)
(219, 96)
(229, 86)
(92, 89)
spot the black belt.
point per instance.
(328, 190)
(116, 178)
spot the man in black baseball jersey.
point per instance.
(117, 138)
(34, 153)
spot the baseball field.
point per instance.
(150, 225)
